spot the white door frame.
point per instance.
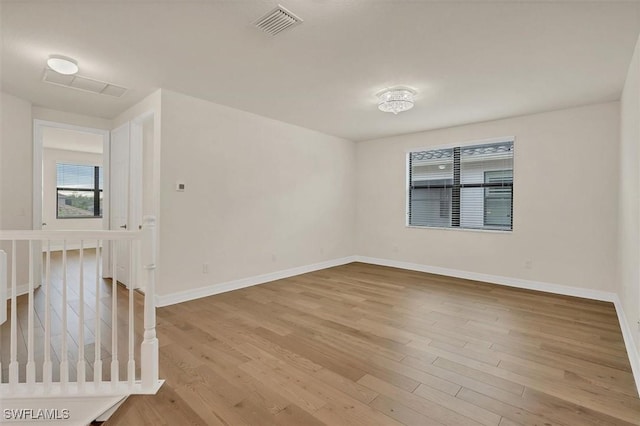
(136, 189)
(38, 127)
(137, 170)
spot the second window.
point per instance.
(462, 187)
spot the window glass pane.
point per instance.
(76, 204)
(497, 200)
(431, 186)
(480, 206)
(431, 207)
(471, 207)
(75, 176)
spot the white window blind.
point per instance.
(79, 191)
(462, 187)
(77, 176)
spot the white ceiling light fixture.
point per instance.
(62, 65)
(396, 100)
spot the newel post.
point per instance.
(149, 351)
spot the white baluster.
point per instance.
(13, 363)
(97, 362)
(114, 317)
(149, 349)
(81, 365)
(64, 363)
(133, 266)
(47, 368)
(31, 364)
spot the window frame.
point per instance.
(96, 190)
(407, 182)
(487, 196)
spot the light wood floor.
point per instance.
(368, 345)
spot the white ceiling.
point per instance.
(469, 61)
(71, 140)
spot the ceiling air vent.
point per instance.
(279, 19)
(83, 83)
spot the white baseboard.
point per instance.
(70, 246)
(495, 279)
(20, 290)
(629, 342)
(196, 293)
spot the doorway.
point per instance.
(71, 180)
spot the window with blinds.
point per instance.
(468, 187)
(78, 191)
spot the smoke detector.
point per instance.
(277, 20)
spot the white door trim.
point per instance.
(137, 182)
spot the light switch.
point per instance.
(180, 186)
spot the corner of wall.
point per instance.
(628, 271)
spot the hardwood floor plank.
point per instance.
(478, 375)
(285, 386)
(345, 385)
(334, 397)
(401, 413)
(568, 412)
(607, 377)
(424, 406)
(292, 415)
(513, 413)
(479, 414)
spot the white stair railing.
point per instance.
(38, 379)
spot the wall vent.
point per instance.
(84, 84)
(277, 20)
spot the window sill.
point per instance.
(78, 217)
(486, 231)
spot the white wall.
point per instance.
(50, 158)
(16, 176)
(261, 195)
(629, 207)
(80, 120)
(565, 201)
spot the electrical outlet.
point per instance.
(205, 268)
(528, 264)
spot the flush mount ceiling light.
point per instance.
(396, 100)
(62, 65)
